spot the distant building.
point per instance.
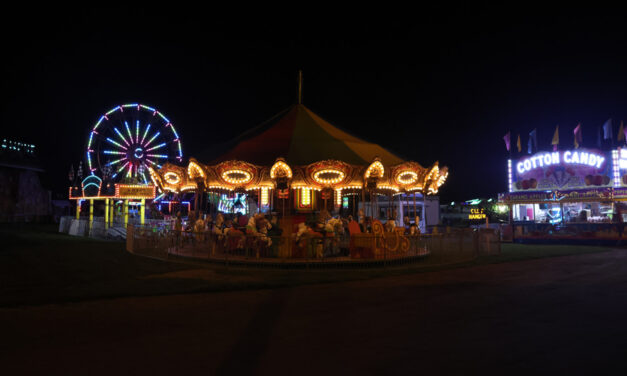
(22, 197)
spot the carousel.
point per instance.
(298, 163)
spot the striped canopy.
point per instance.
(302, 137)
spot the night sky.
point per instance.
(445, 84)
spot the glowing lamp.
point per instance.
(407, 177)
(375, 170)
(237, 177)
(171, 177)
(194, 170)
(328, 176)
(280, 169)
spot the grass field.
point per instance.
(40, 266)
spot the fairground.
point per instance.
(85, 306)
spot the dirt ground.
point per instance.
(563, 315)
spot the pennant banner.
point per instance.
(507, 140)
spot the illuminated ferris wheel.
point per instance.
(129, 138)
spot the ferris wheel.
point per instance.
(128, 139)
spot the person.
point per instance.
(178, 228)
(199, 229)
(390, 225)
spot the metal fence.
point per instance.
(237, 247)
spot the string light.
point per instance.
(375, 170)
(171, 177)
(264, 196)
(407, 177)
(229, 177)
(280, 169)
(194, 169)
(135, 191)
(305, 196)
(339, 176)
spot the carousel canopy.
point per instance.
(302, 137)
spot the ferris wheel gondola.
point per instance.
(129, 138)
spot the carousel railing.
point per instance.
(311, 249)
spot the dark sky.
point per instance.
(441, 83)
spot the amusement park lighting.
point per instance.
(279, 168)
(442, 179)
(145, 133)
(123, 166)
(171, 177)
(615, 170)
(433, 173)
(305, 196)
(375, 170)
(387, 187)
(338, 196)
(193, 170)
(128, 130)
(152, 139)
(121, 136)
(407, 177)
(115, 143)
(264, 196)
(227, 176)
(116, 161)
(339, 176)
(157, 147)
(188, 187)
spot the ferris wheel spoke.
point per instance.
(123, 166)
(130, 170)
(114, 152)
(156, 147)
(153, 163)
(145, 133)
(128, 130)
(121, 136)
(116, 161)
(137, 131)
(152, 139)
(115, 143)
(163, 156)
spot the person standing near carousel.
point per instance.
(178, 228)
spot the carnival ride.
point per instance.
(282, 164)
(130, 138)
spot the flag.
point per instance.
(556, 138)
(607, 129)
(518, 144)
(621, 132)
(578, 138)
(533, 142)
(599, 137)
(507, 140)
